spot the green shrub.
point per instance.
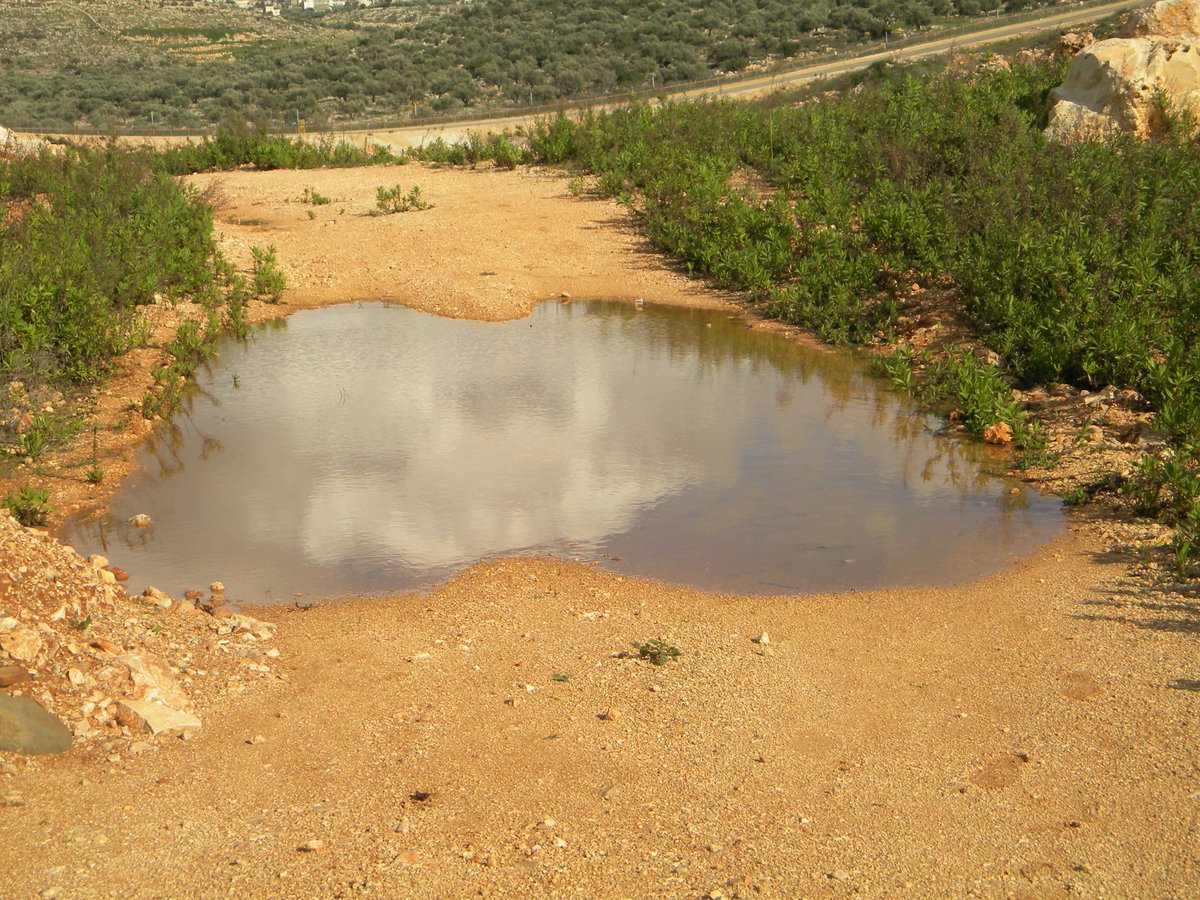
(505, 153)
(313, 197)
(268, 282)
(191, 345)
(100, 235)
(30, 505)
(394, 200)
(656, 650)
(238, 143)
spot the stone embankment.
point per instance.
(83, 662)
(1128, 83)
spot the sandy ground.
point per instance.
(491, 245)
(1032, 734)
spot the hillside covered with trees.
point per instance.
(125, 72)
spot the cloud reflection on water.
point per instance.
(371, 447)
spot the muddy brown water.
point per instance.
(369, 447)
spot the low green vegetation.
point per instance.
(1076, 264)
(1167, 485)
(314, 197)
(30, 505)
(656, 650)
(211, 33)
(967, 390)
(475, 148)
(42, 431)
(267, 282)
(87, 240)
(238, 143)
(397, 200)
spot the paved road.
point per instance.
(765, 84)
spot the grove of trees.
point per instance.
(486, 54)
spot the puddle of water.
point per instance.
(370, 447)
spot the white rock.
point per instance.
(264, 631)
(153, 680)
(160, 718)
(12, 145)
(157, 597)
(1168, 18)
(1113, 85)
(22, 644)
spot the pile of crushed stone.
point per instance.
(111, 669)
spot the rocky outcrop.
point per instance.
(12, 145)
(83, 662)
(1071, 43)
(1167, 19)
(1122, 84)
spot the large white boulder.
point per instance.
(1122, 83)
(12, 144)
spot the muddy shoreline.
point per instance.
(1031, 733)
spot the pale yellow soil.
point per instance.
(491, 245)
(1032, 734)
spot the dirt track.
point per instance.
(1032, 734)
